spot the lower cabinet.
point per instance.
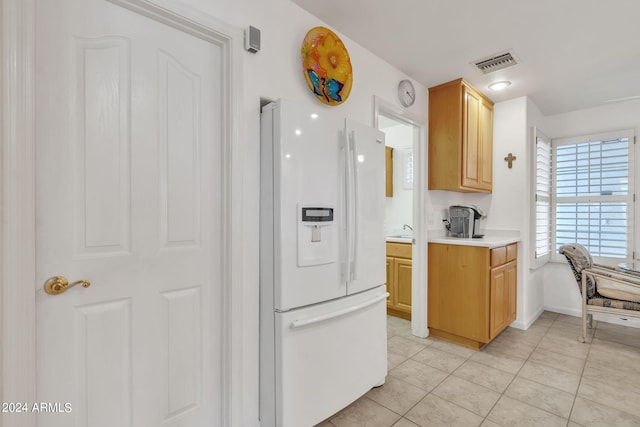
(503, 297)
(399, 266)
(471, 292)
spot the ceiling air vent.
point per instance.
(496, 62)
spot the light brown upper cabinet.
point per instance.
(460, 138)
(389, 171)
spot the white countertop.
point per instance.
(400, 239)
(491, 239)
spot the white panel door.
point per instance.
(128, 198)
(368, 256)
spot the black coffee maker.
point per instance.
(464, 221)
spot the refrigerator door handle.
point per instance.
(338, 313)
(344, 185)
(353, 208)
(349, 197)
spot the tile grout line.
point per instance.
(450, 374)
(486, 418)
(579, 382)
(428, 392)
(584, 366)
(436, 386)
(402, 416)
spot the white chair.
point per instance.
(604, 289)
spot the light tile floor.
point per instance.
(539, 377)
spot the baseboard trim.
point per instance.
(526, 324)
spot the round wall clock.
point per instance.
(326, 66)
(406, 93)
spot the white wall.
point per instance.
(506, 206)
(400, 206)
(276, 72)
(510, 203)
(560, 288)
(534, 279)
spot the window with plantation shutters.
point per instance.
(592, 199)
(542, 199)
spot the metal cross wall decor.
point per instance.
(509, 159)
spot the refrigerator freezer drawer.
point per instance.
(329, 355)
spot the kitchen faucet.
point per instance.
(405, 226)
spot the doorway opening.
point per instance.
(404, 224)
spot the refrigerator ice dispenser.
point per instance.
(316, 235)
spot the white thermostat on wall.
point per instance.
(252, 39)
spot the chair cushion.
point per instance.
(612, 289)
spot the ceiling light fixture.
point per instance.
(500, 85)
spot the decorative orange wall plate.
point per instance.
(326, 66)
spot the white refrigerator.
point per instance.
(322, 263)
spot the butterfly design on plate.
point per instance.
(327, 88)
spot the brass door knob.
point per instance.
(58, 284)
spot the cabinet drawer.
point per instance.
(399, 250)
(512, 252)
(498, 256)
(504, 254)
